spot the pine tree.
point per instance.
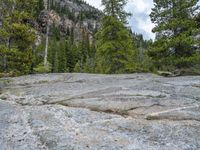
(115, 51)
(114, 47)
(53, 54)
(89, 66)
(16, 35)
(85, 46)
(175, 30)
(40, 6)
(61, 57)
(72, 55)
(115, 8)
(197, 19)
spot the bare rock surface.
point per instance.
(100, 112)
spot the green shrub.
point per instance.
(43, 69)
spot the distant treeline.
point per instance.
(111, 48)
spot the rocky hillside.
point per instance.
(70, 15)
(100, 112)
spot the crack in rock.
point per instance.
(181, 113)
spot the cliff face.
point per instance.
(70, 15)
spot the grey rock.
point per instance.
(92, 112)
(184, 113)
(65, 23)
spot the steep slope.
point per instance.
(70, 15)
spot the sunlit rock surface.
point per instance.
(100, 112)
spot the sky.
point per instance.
(140, 21)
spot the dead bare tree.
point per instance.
(47, 36)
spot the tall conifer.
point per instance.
(175, 30)
(115, 51)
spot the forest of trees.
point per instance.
(114, 48)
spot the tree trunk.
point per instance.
(47, 37)
(5, 63)
(46, 46)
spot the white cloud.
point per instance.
(141, 6)
(140, 21)
(95, 3)
(146, 26)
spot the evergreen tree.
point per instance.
(114, 43)
(40, 6)
(53, 54)
(72, 55)
(114, 47)
(115, 8)
(85, 46)
(89, 66)
(16, 35)
(175, 30)
(197, 19)
(61, 57)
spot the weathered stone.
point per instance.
(182, 113)
(89, 112)
(169, 74)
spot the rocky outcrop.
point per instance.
(51, 16)
(70, 15)
(85, 111)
